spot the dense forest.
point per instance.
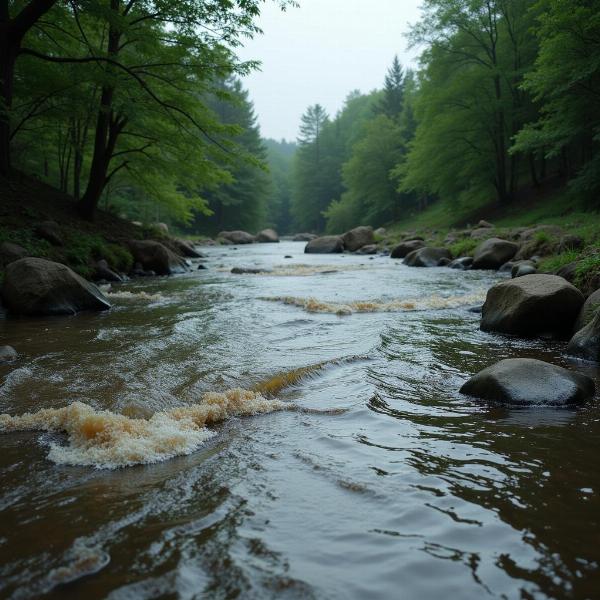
(139, 108)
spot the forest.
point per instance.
(140, 108)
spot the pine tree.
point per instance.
(393, 92)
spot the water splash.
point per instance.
(312, 305)
(107, 440)
(299, 270)
(124, 295)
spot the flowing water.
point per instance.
(296, 433)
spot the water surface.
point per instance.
(381, 481)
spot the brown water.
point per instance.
(307, 440)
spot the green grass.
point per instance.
(82, 250)
(551, 264)
(27, 239)
(464, 247)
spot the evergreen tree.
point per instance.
(392, 101)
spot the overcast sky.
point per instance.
(320, 52)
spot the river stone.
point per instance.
(8, 354)
(153, 256)
(482, 233)
(427, 257)
(49, 231)
(588, 311)
(329, 244)
(403, 249)
(10, 252)
(237, 237)
(462, 263)
(357, 238)
(248, 270)
(186, 249)
(34, 286)
(493, 253)
(526, 381)
(103, 271)
(532, 305)
(585, 343)
(369, 249)
(523, 268)
(484, 225)
(304, 237)
(267, 236)
(380, 232)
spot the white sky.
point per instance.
(320, 52)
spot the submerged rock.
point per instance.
(153, 256)
(357, 238)
(267, 236)
(403, 249)
(523, 268)
(369, 249)
(532, 305)
(8, 354)
(304, 237)
(248, 271)
(34, 286)
(526, 381)
(462, 263)
(427, 257)
(493, 253)
(329, 244)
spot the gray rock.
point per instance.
(568, 271)
(523, 268)
(403, 249)
(162, 227)
(444, 262)
(588, 311)
(462, 263)
(329, 244)
(532, 305)
(570, 242)
(237, 237)
(10, 252)
(370, 249)
(484, 225)
(482, 233)
(154, 256)
(529, 382)
(248, 271)
(585, 343)
(186, 248)
(103, 271)
(8, 354)
(493, 253)
(50, 231)
(304, 237)
(380, 232)
(357, 238)
(267, 236)
(427, 257)
(34, 286)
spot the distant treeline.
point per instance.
(136, 106)
(505, 100)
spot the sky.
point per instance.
(320, 52)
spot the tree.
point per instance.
(392, 102)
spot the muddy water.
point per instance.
(373, 479)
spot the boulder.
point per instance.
(329, 244)
(462, 264)
(267, 236)
(427, 257)
(529, 382)
(380, 232)
(588, 311)
(532, 305)
(10, 252)
(304, 237)
(357, 238)
(444, 262)
(153, 256)
(568, 271)
(493, 253)
(370, 249)
(49, 231)
(484, 225)
(570, 242)
(237, 237)
(551, 232)
(403, 249)
(523, 268)
(34, 286)
(186, 249)
(104, 272)
(162, 227)
(8, 354)
(585, 343)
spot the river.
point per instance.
(364, 475)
